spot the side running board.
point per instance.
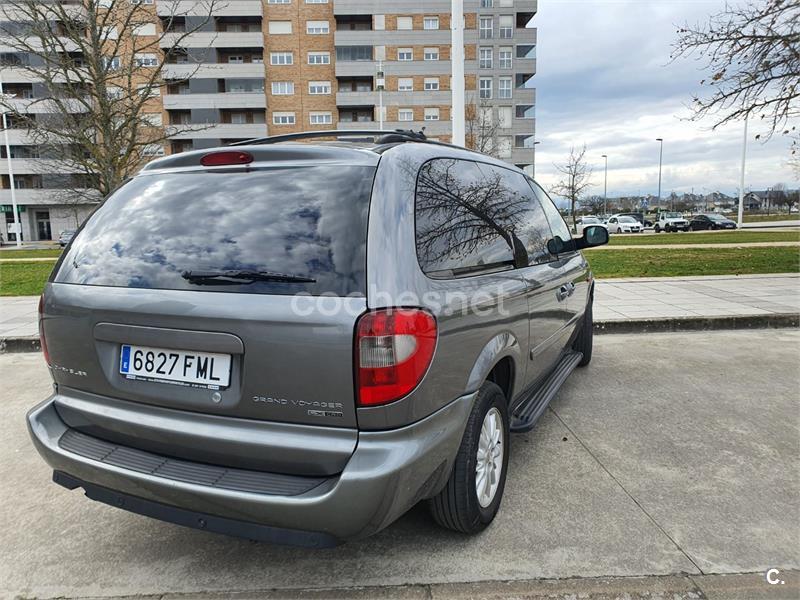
(526, 414)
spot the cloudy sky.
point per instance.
(604, 78)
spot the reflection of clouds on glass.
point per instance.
(308, 221)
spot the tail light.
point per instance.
(394, 348)
(42, 340)
(227, 157)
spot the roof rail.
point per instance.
(383, 136)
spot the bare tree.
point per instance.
(753, 54)
(481, 128)
(575, 179)
(98, 67)
(594, 203)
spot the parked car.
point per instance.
(65, 237)
(234, 371)
(670, 221)
(710, 221)
(639, 217)
(623, 224)
(582, 222)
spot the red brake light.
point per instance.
(42, 340)
(394, 348)
(216, 159)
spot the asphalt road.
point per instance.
(670, 454)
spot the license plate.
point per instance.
(177, 367)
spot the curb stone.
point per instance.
(657, 325)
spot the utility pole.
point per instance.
(741, 180)
(380, 83)
(660, 157)
(605, 187)
(17, 224)
(457, 63)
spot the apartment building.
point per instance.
(266, 67)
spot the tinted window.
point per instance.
(464, 218)
(306, 221)
(557, 225)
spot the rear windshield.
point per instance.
(308, 222)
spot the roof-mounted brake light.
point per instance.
(217, 159)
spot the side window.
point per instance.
(531, 226)
(557, 225)
(464, 219)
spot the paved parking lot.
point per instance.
(670, 454)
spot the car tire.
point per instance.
(584, 341)
(458, 506)
(657, 229)
(685, 229)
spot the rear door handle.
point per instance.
(571, 287)
(562, 293)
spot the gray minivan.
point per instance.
(298, 342)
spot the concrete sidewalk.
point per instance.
(670, 457)
(616, 300)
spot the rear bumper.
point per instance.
(388, 473)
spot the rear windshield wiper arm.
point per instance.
(242, 276)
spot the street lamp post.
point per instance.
(380, 83)
(741, 181)
(605, 187)
(457, 74)
(17, 225)
(660, 157)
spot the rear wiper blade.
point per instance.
(242, 276)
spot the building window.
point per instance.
(525, 111)
(153, 150)
(280, 27)
(430, 23)
(526, 51)
(431, 54)
(504, 87)
(236, 59)
(153, 119)
(405, 114)
(505, 58)
(486, 27)
(317, 88)
(348, 53)
(431, 114)
(282, 88)
(487, 3)
(317, 27)
(316, 1)
(279, 58)
(150, 90)
(506, 27)
(504, 116)
(405, 84)
(405, 54)
(279, 1)
(321, 118)
(485, 88)
(139, 2)
(319, 58)
(283, 118)
(144, 29)
(145, 60)
(431, 84)
(404, 23)
(485, 58)
(238, 118)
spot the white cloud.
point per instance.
(604, 78)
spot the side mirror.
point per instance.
(593, 235)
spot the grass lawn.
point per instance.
(641, 262)
(24, 279)
(11, 254)
(766, 218)
(721, 237)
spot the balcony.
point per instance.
(34, 166)
(229, 8)
(415, 98)
(34, 106)
(214, 70)
(219, 100)
(403, 37)
(388, 7)
(220, 131)
(362, 68)
(215, 39)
